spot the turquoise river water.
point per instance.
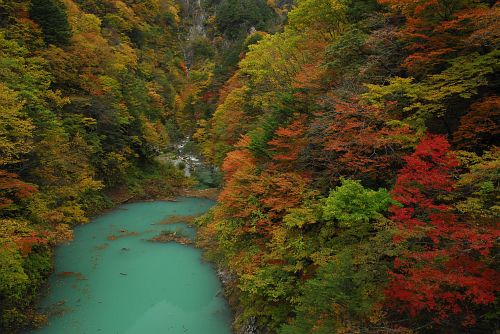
(111, 280)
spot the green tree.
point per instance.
(351, 204)
(52, 17)
(236, 17)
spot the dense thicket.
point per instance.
(90, 94)
(360, 170)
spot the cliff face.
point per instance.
(214, 35)
(194, 21)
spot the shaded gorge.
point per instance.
(114, 278)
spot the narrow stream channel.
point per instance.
(111, 280)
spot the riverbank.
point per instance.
(231, 294)
(144, 189)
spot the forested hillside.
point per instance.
(90, 94)
(355, 138)
(360, 170)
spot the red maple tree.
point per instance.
(437, 30)
(11, 188)
(441, 273)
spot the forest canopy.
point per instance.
(356, 141)
(88, 93)
(360, 193)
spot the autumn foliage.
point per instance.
(12, 188)
(360, 188)
(357, 143)
(86, 89)
(445, 268)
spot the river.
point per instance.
(111, 280)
